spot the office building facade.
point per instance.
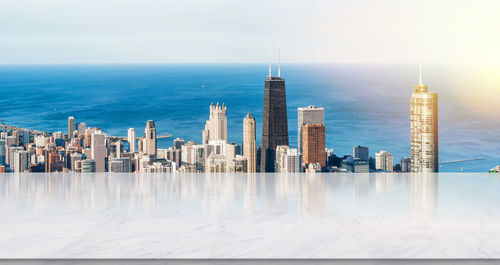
(313, 148)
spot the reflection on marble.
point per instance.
(249, 216)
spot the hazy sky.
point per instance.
(167, 31)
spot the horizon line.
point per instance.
(217, 63)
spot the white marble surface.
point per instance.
(346, 216)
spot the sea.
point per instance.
(365, 104)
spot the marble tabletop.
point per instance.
(255, 216)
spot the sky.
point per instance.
(229, 31)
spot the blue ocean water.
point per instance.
(364, 104)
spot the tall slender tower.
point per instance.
(249, 144)
(275, 123)
(71, 127)
(131, 140)
(216, 125)
(424, 129)
(98, 150)
(150, 138)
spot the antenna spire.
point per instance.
(269, 61)
(420, 77)
(279, 58)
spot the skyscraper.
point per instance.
(15, 134)
(150, 138)
(275, 123)
(308, 115)
(131, 140)
(2, 152)
(313, 137)
(25, 137)
(405, 164)
(98, 151)
(384, 161)
(71, 127)
(178, 143)
(216, 125)
(360, 152)
(81, 128)
(21, 161)
(249, 144)
(424, 129)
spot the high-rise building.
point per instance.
(9, 154)
(98, 150)
(216, 125)
(15, 133)
(275, 123)
(11, 141)
(187, 153)
(291, 161)
(25, 137)
(360, 152)
(21, 161)
(178, 143)
(140, 146)
(199, 156)
(308, 115)
(384, 161)
(406, 164)
(173, 154)
(118, 149)
(81, 128)
(230, 151)
(424, 129)
(2, 152)
(287, 159)
(150, 138)
(313, 138)
(131, 140)
(280, 153)
(71, 127)
(249, 144)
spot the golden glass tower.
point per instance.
(424, 129)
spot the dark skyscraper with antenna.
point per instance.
(275, 123)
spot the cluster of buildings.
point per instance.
(89, 149)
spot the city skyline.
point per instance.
(215, 154)
(80, 127)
